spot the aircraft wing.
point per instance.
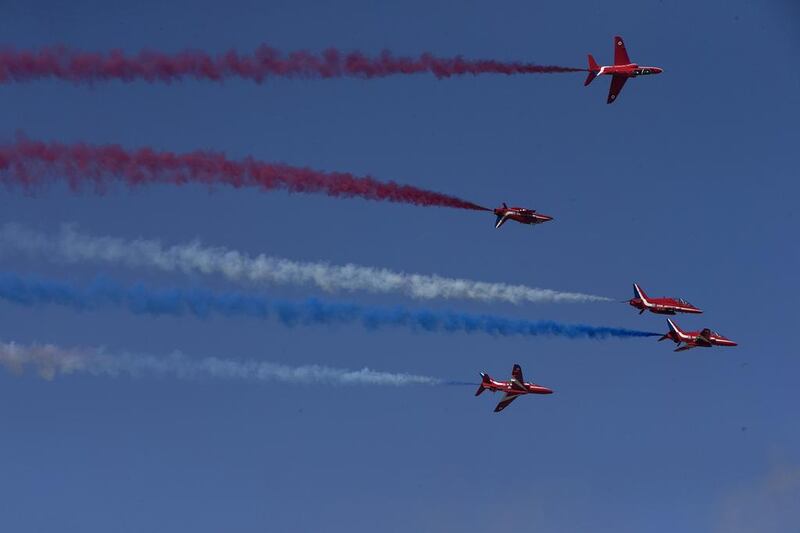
(616, 87)
(704, 339)
(518, 385)
(685, 347)
(620, 54)
(505, 402)
(500, 220)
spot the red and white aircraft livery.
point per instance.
(519, 214)
(660, 306)
(693, 339)
(620, 71)
(513, 388)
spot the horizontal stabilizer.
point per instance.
(594, 69)
(484, 381)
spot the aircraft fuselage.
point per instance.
(630, 70)
(660, 306)
(663, 306)
(510, 387)
(705, 338)
(698, 339)
(519, 214)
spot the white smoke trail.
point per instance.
(51, 361)
(73, 246)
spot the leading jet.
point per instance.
(660, 306)
(514, 388)
(694, 339)
(519, 214)
(620, 71)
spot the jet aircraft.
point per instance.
(694, 339)
(620, 71)
(519, 214)
(513, 388)
(661, 306)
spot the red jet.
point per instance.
(513, 388)
(660, 306)
(620, 71)
(693, 339)
(519, 214)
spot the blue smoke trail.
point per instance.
(103, 293)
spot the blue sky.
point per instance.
(687, 185)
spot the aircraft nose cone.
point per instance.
(658, 70)
(546, 218)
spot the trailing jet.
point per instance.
(513, 388)
(693, 339)
(620, 71)
(519, 214)
(660, 306)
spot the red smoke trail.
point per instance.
(77, 66)
(31, 163)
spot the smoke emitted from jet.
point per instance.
(104, 293)
(70, 245)
(31, 164)
(51, 361)
(76, 66)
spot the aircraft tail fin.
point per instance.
(484, 381)
(639, 293)
(594, 69)
(674, 328)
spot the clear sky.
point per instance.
(687, 184)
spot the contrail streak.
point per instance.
(51, 361)
(139, 299)
(31, 164)
(67, 64)
(71, 245)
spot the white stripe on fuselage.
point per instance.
(668, 306)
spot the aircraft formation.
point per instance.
(685, 340)
(30, 163)
(621, 71)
